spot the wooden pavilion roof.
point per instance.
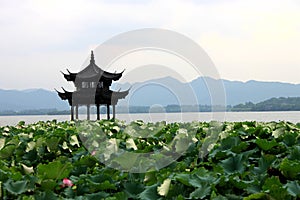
(92, 72)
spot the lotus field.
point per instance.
(115, 160)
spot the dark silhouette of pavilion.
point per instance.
(92, 88)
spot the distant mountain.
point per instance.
(166, 91)
(163, 91)
(30, 99)
(256, 91)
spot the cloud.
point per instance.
(252, 36)
(265, 48)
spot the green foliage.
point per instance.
(16, 187)
(233, 164)
(230, 160)
(293, 188)
(275, 189)
(54, 170)
(265, 144)
(290, 168)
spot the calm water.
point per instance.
(293, 116)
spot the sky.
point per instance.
(246, 40)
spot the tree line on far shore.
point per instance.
(273, 104)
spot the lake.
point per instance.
(292, 116)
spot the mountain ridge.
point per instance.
(162, 91)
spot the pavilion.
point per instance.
(92, 88)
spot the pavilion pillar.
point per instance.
(88, 112)
(114, 111)
(98, 112)
(72, 113)
(76, 111)
(107, 110)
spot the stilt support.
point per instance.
(88, 112)
(98, 112)
(76, 111)
(114, 111)
(72, 113)
(108, 111)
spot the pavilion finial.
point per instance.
(92, 57)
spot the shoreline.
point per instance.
(291, 116)
(132, 113)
